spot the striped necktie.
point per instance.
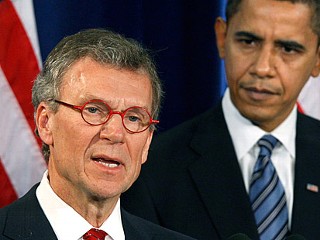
(267, 194)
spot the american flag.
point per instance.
(309, 98)
(21, 162)
(312, 188)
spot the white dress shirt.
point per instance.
(67, 223)
(245, 136)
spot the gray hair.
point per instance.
(104, 47)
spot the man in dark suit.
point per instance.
(200, 176)
(95, 101)
(26, 220)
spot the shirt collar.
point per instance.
(66, 222)
(245, 135)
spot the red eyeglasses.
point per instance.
(97, 112)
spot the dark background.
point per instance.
(180, 33)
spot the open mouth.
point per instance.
(107, 162)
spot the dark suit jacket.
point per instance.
(24, 219)
(192, 182)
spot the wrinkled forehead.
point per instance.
(89, 79)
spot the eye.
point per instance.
(291, 47)
(95, 108)
(134, 119)
(247, 41)
(91, 109)
(136, 115)
(290, 50)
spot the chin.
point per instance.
(256, 117)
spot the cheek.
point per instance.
(290, 76)
(234, 75)
(135, 152)
(292, 91)
(235, 71)
(70, 139)
(137, 149)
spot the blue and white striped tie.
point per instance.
(267, 194)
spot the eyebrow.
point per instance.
(284, 43)
(248, 35)
(291, 44)
(89, 97)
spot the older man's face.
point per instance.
(97, 162)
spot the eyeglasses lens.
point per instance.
(135, 119)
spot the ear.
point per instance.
(316, 69)
(43, 115)
(146, 147)
(220, 28)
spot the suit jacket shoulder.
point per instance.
(306, 205)
(136, 228)
(24, 219)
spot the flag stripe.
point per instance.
(25, 11)
(17, 58)
(309, 98)
(8, 193)
(22, 164)
(19, 150)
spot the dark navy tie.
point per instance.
(267, 194)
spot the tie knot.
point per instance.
(95, 234)
(268, 141)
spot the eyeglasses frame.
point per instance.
(111, 112)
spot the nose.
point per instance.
(263, 66)
(113, 129)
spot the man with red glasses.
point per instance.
(95, 102)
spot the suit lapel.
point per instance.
(26, 220)
(219, 180)
(305, 218)
(130, 231)
(133, 228)
(136, 228)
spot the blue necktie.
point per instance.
(267, 194)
